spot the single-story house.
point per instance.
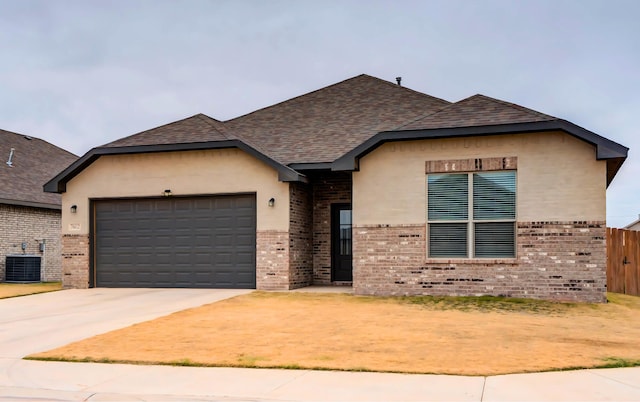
(29, 217)
(364, 183)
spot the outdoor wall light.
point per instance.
(167, 193)
(74, 208)
(272, 202)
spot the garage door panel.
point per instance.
(176, 242)
(222, 221)
(124, 208)
(202, 240)
(246, 203)
(244, 221)
(245, 241)
(246, 257)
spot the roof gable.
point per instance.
(34, 162)
(477, 110)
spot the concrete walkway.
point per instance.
(40, 322)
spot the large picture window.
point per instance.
(471, 215)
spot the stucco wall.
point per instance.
(31, 226)
(559, 178)
(184, 173)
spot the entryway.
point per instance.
(341, 243)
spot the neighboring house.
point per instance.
(363, 183)
(634, 225)
(29, 217)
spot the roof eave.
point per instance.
(614, 153)
(31, 204)
(59, 183)
(632, 224)
(314, 166)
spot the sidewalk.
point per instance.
(22, 380)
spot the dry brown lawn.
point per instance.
(23, 289)
(471, 336)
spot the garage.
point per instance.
(175, 242)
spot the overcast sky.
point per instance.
(80, 74)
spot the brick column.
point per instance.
(75, 261)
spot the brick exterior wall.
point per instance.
(75, 261)
(31, 226)
(272, 260)
(300, 235)
(327, 189)
(555, 260)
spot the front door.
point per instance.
(341, 268)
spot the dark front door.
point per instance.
(341, 268)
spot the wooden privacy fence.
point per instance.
(623, 261)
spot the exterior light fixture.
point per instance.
(167, 193)
(272, 202)
(74, 208)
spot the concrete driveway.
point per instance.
(40, 322)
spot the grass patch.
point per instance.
(618, 362)
(489, 304)
(435, 335)
(23, 289)
(249, 361)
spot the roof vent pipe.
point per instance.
(399, 80)
(10, 161)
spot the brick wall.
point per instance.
(330, 188)
(300, 234)
(272, 260)
(555, 260)
(31, 226)
(75, 261)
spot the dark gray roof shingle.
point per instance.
(322, 125)
(198, 128)
(316, 127)
(35, 162)
(477, 110)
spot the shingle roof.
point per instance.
(316, 127)
(198, 128)
(336, 125)
(477, 110)
(321, 126)
(34, 163)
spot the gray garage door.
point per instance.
(199, 242)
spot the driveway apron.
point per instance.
(37, 323)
